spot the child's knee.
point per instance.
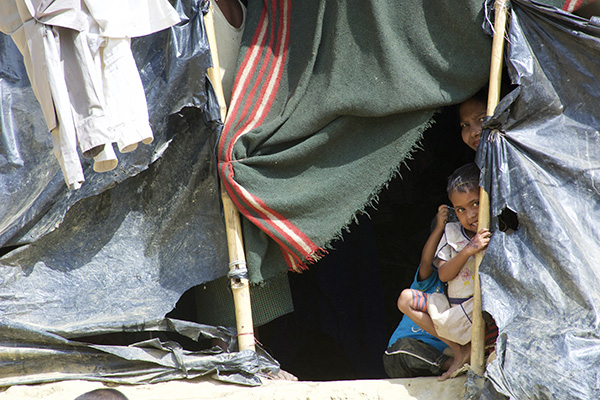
(405, 300)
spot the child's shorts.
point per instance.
(409, 357)
(420, 302)
(452, 321)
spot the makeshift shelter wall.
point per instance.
(264, 252)
(147, 239)
(116, 255)
(539, 276)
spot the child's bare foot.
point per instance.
(462, 355)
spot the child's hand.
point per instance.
(480, 240)
(441, 217)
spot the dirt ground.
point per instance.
(207, 388)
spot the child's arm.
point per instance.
(449, 269)
(428, 253)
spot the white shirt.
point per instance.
(452, 242)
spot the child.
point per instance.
(471, 114)
(411, 351)
(450, 319)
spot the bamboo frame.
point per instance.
(478, 334)
(237, 259)
(240, 286)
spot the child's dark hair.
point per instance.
(102, 394)
(464, 179)
(481, 96)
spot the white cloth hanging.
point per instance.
(86, 81)
(131, 18)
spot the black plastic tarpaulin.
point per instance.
(116, 255)
(541, 167)
(172, 65)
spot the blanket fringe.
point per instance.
(301, 265)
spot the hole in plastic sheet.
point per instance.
(487, 317)
(508, 222)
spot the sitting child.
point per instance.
(448, 317)
(411, 351)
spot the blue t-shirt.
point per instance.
(407, 328)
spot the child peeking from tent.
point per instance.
(471, 113)
(448, 316)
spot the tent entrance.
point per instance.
(345, 305)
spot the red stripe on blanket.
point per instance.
(572, 5)
(293, 261)
(275, 221)
(242, 82)
(262, 57)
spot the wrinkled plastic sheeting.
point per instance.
(541, 282)
(48, 357)
(33, 194)
(124, 257)
(117, 254)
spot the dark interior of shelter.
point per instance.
(345, 304)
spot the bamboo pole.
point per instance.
(478, 335)
(237, 259)
(497, 55)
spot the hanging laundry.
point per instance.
(79, 61)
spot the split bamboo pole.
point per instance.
(237, 259)
(478, 335)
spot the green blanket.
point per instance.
(330, 98)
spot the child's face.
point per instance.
(466, 206)
(471, 113)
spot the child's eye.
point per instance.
(459, 210)
(476, 204)
(463, 125)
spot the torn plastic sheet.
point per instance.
(172, 65)
(115, 256)
(125, 256)
(29, 356)
(541, 281)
